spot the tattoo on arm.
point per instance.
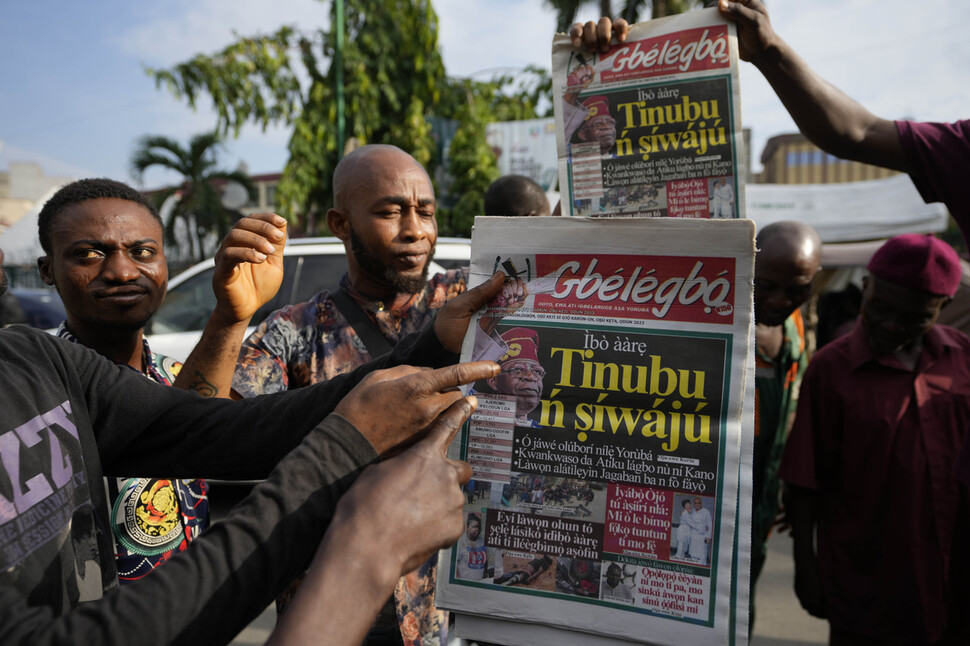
(203, 386)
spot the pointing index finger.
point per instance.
(451, 377)
(445, 428)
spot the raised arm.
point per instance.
(241, 563)
(249, 271)
(832, 120)
(191, 436)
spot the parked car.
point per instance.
(42, 307)
(309, 266)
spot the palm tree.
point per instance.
(198, 200)
(566, 10)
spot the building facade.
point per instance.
(793, 159)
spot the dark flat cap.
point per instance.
(919, 262)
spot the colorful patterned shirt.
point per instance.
(776, 395)
(151, 518)
(311, 342)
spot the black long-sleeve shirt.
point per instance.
(68, 417)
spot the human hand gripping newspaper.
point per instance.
(595, 37)
(514, 295)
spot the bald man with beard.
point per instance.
(384, 212)
(784, 271)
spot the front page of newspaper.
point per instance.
(606, 453)
(652, 127)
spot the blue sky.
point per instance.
(74, 96)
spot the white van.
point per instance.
(309, 266)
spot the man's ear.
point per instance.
(46, 272)
(339, 224)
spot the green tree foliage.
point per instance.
(198, 200)
(393, 76)
(395, 80)
(471, 164)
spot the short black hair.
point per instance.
(81, 191)
(515, 195)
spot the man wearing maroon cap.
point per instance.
(882, 416)
(521, 373)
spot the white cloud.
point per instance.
(475, 35)
(168, 33)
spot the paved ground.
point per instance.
(780, 620)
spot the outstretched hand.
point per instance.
(511, 297)
(577, 81)
(249, 266)
(432, 517)
(596, 36)
(781, 523)
(395, 516)
(755, 35)
(393, 407)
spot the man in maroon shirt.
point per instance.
(883, 413)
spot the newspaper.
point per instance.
(607, 453)
(652, 127)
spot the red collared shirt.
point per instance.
(878, 442)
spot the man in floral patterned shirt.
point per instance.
(103, 245)
(384, 211)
